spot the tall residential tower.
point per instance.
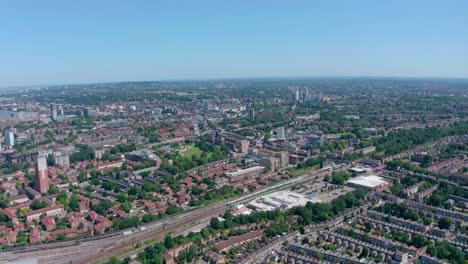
(42, 175)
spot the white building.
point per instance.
(280, 200)
(372, 183)
(280, 133)
(9, 138)
(296, 95)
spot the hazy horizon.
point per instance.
(55, 43)
(344, 77)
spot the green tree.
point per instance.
(215, 223)
(172, 209)
(444, 223)
(338, 180)
(365, 252)
(62, 198)
(126, 207)
(73, 204)
(36, 204)
(428, 221)
(418, 241)
(121, 197)
(168, 241)
(147, 218)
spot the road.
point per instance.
(261, 254)
(182, 224)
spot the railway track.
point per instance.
(67, 243)
(129, 244)
(59, 245)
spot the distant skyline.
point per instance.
(72, 42)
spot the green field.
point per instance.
(193, 151)
(298, 172)
(217, 199)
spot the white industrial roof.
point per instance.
(357, 169)
(368, 181)
(241, 172)
(286, 199)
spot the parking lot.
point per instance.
(322, 191)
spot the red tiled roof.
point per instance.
(34, 232)
(238, 239)
(92, 215)
(19, 225)
(102, 220)
(47, 220)
(9, 214)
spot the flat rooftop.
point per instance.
(358, 169)
(281, 200)
(371, 181)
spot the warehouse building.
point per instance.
(371, 183)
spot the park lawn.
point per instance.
(193, 151)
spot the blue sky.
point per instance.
(59, 42)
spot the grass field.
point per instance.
(193, 151)
(218, 199)
(298, 172)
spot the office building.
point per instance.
(98, 153)
(88, 112)
(280, 133)
(53, 111)
(9, 138)
(271, 163)
(251, 113)
(61, 159)
(283, 156)
(296, 95)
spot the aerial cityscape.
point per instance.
(141, 152)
